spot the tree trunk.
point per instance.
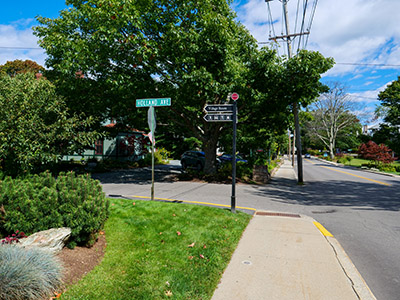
(332, 149)
(210, 151)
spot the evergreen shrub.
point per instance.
(387, 168)
(30, 274)
(40, 202)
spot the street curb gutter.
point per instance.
(358, 283)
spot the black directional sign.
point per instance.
(219, 108)
(219, 118)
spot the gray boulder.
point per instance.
(52, 240)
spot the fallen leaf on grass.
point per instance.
(190, 257)
(160, 233)
(201, 256)
(204, 247)
(57, 295)
(168, 293)
(191, 245)
(174, 215)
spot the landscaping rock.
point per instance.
(52, 240)
(261, 174)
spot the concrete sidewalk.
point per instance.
(287, 256)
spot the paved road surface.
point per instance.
(361, 209)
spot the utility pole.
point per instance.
(288, 37)
(289, 145)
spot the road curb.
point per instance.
(356, 168)
(357, 282)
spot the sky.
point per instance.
(363, 37)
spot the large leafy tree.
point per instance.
(192, 51)
(389, 133)
(34, 127)
(18, 66)
(275, 84)
(390, 100)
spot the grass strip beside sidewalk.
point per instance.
(159, 250)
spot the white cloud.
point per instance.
(349, 31)
(16, 43)
(369, 97)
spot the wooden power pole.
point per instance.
(288, 37)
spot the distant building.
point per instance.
(126, 145)
(370, 129)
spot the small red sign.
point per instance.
(234, 96)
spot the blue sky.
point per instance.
(363, 36)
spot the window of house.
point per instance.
(98, 146)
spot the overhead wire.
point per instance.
(272, 28)
(314, 8)
(20, 48)
(305, 4)
(297, 15)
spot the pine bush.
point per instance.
(41, 202)
(28, 274)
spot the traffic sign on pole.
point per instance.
(153, 102)
(234, 96)
(218, 118)
(218, 108)
(151, 119)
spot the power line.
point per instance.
(366, 64)
(21, 48)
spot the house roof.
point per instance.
(113, 124)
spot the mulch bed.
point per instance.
(79, 261)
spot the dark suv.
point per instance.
(194, 159)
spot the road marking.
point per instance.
(310, 161)
(376, 181)
(322, 229)
(194, 202)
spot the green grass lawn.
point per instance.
(159, 250)
(357, 162)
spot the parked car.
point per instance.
(228, 158)
(193, 159)
(307, 155)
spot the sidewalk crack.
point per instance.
(343, 268)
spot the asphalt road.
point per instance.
(362, 212)
(361, 209)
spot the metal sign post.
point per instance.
(234, 97)
(226, 113)
(151, 120)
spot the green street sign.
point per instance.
(153, 102)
